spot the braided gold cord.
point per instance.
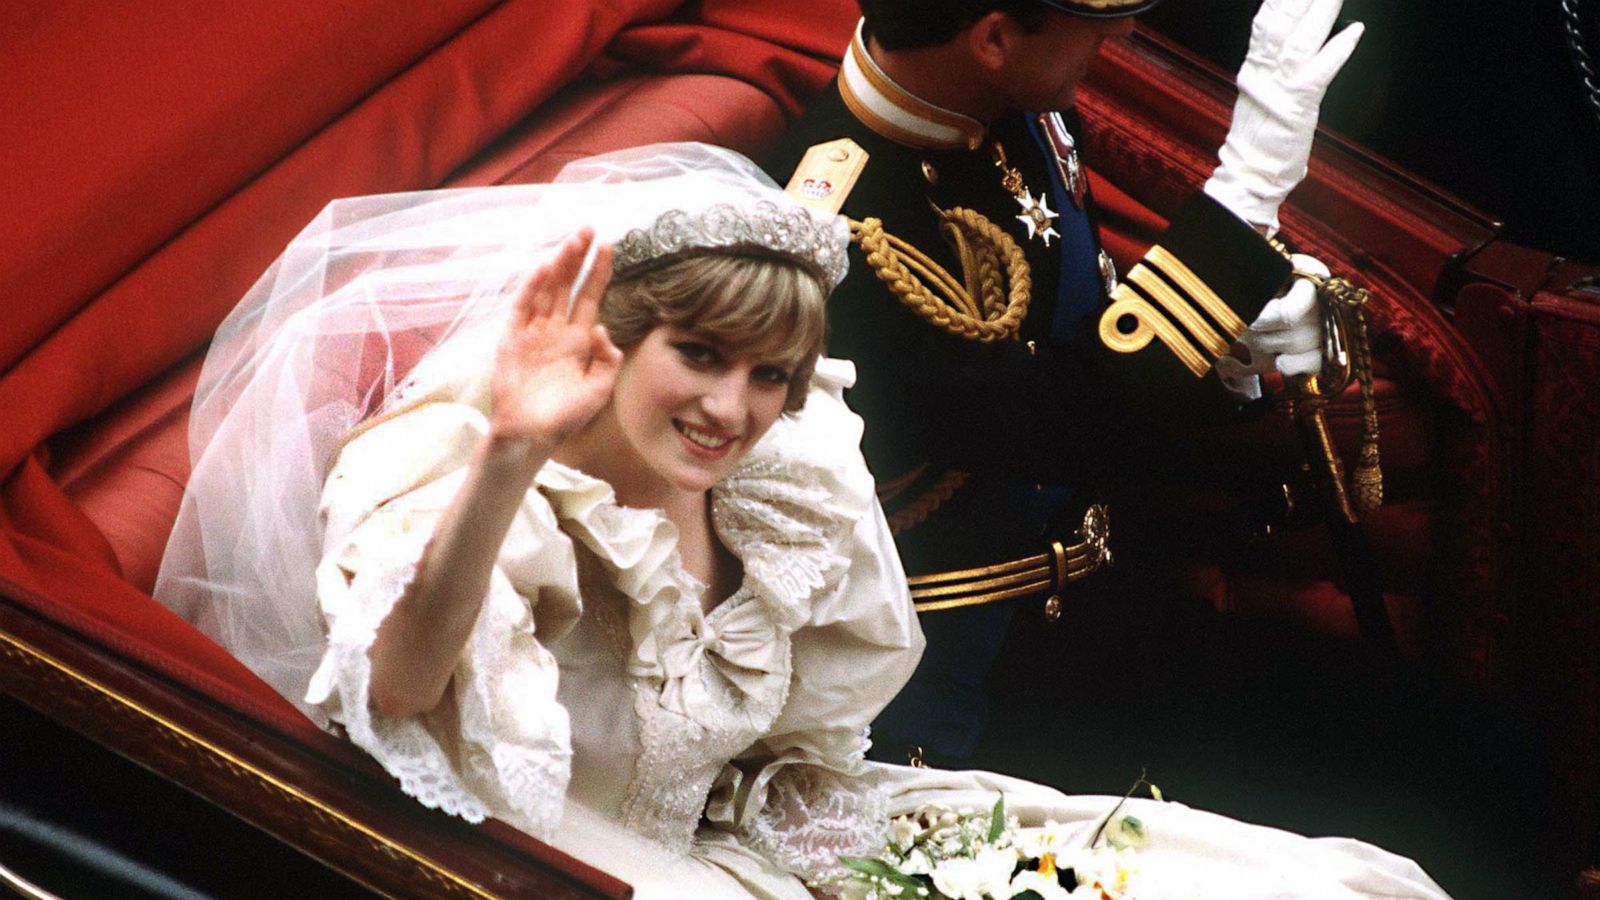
(988, 280)
(894, 487)
(994, 314)
(961, 296)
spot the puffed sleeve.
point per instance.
(795, 796)
(498, 744)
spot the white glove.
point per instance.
(1285, 74)
(1287, 336)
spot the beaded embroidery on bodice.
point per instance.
(706, 686)
(681, 755)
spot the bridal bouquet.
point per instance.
(945, 854)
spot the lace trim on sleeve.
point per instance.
(498, 744)
(812, 816)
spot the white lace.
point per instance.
(812, 816)
(786, 533)
(518, 758)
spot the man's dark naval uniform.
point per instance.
(978, 446)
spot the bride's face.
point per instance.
(690, 407)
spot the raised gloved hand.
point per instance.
(1285, 74)
(1287, 336)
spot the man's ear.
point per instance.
(992, 40)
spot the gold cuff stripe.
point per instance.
(1126, 301)
(1179, 309)
(1190, 283)
(1178, 291)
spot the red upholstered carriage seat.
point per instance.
(126, 469)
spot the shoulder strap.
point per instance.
(827, 174)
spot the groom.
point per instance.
(1001, 359)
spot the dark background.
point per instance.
(1279, 727)
(1480, 98)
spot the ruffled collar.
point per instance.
(774, 515)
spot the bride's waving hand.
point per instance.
(556, 365)
(553, 373)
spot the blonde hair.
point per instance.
(742, 300)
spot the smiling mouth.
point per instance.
(703, 439)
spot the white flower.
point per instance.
(1108, 869)
(1089, 865)
(1051, 838)
(917, 863)
(903, 833)
(987, 876)
(1045, 886)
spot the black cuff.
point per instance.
(1226, 253)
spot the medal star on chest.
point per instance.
(1038, 217)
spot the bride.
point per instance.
(593, 550)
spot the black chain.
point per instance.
(1578, 48)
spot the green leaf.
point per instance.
(1156, 792)
(871, 865)
(997, 818)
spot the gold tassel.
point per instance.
(1368, 479)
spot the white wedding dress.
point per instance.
(716, 754)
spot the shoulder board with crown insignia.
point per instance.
(827, 174)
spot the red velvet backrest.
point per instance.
(160, 157)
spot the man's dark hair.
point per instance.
(910, 24)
